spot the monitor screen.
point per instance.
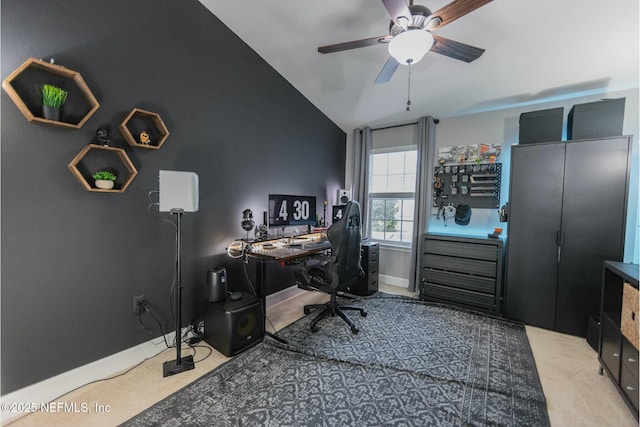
(286, 210)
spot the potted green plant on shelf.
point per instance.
(104, 180)
(53, 97)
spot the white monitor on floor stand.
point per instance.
(178, 191)
(178, 195)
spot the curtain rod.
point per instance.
(436, 121)
(395, 126)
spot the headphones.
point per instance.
(247, 220)
(449, 211)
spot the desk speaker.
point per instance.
(216, 289)
(231, 327)
(343, 196)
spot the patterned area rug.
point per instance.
(412, 364)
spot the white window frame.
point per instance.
(401, 196)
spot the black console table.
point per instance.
(617, 356)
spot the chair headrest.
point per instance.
(351, 208)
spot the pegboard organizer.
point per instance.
(476, 185)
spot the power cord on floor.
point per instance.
(196, 335)
(194, 347)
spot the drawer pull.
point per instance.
(632, 360)
(616, 355)
(630, 388)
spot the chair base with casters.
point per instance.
(332, 308)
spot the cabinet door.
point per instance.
(593, 226)
(611, 347)
(535, 199)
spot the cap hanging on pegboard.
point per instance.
(463, 214)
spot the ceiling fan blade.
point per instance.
(354, 44)
(387, 71)
(455, 50)
(398, 9)
(454, 10)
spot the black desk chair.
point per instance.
(338, 271)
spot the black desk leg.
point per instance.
(261, 277)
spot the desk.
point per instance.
(289, 249)
(284, 251)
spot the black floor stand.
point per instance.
(181, 364)
(172, 367)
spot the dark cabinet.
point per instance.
(617, 356)
(568, 203)
(368, 284)
(464, 271)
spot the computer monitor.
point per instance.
(286, 210)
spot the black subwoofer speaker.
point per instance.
(233, 326)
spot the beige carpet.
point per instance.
(576, 395)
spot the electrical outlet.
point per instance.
(138, 308)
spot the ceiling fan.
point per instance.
(411, 35)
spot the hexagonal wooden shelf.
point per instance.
(20, 86)
(84, 176)
(148, 128)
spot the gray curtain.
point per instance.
(360, 159)
(424, 189)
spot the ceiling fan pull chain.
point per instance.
(409, 86)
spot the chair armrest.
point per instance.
(324, 262)
(318, 258)
(323, 258)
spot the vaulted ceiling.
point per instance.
(536, 51)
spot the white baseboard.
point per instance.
(47, 390)
(394, 281)
(283, 295)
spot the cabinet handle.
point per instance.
(616, 355)
(632, 360)
(630, 388)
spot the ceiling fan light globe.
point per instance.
(410, 46)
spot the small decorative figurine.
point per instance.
(144, 137)
(103, 136)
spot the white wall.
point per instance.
(502, 126)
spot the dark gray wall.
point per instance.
(72, 260)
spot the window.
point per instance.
(392, 184)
